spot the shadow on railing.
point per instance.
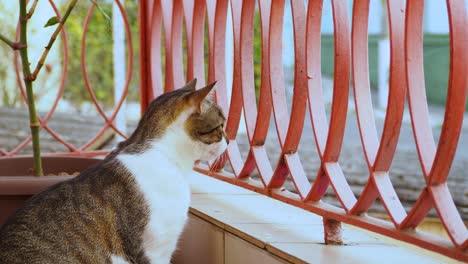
(351, 54)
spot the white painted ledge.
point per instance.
(231, 225)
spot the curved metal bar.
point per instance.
(217, 17)
(262, 124)
(394, 114)
(418, 107)
(275, 60)
(243, 16)
(264, 105)
(147, 25)
(418, 212)
(340, 81)
(314, 75)
(236, 103)
(88, 84)
(155, 52)
(339, 109)
(243, 60)
(397, 85)
(285, 125)
(388, 197)
(235, 109)
(456, 96)
(453, 120)
(315, 97)
(299, 103)
(438, 161)
(449, 216)
(109, 121)
(361, 85)
(194, 14)
(416, 86)
(172, 20)
(380, 156)
(329, 137)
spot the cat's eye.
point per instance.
(211, 130)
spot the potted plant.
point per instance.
(22, 177)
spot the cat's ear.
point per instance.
(191, 85)
(198, 96)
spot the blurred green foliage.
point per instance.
(98, 53)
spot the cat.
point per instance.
(132, 206)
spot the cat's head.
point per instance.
(186, 120)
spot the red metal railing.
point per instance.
(351, 54)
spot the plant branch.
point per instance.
(7, 41)
(34, 123)
(106, 16)
(33, 8)
(41, 61)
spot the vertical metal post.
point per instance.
(332, 232)
(145, 83)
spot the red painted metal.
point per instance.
(148, 33)
(164, 21)
(406, 74)
(436, 161)
(172, 15)
(379, 155)
(195, 26)
(109, 121)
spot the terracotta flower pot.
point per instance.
(17, 183)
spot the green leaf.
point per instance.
(52, 21)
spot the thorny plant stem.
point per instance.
(29, 77)
(33, 8)
(34, 123)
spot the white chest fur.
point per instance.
(167, 192)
